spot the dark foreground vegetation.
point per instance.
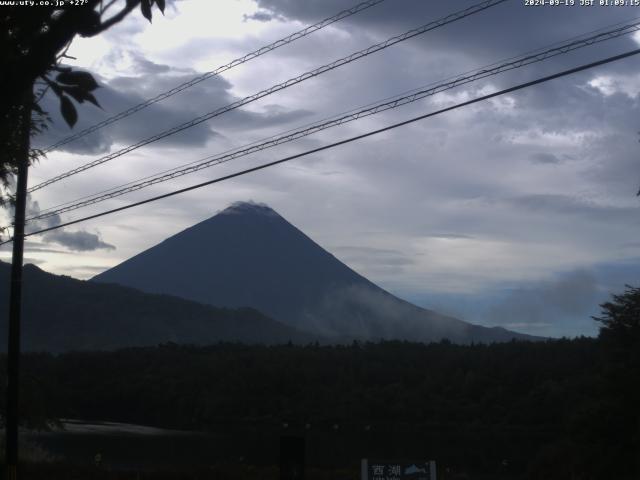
(563, 409)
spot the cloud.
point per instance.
(32, 248)
(33, 261)
(517, 23)
(557, 204)
(375, 260)
(511, 192)
(547, 303)
(559, 306)
(451, 236)
(33, 209)
(544, 158)
(148, 67)
(79, 241)
(249, 206)
(118, 95)
(609, 85)
(144, 80)
(262, 16)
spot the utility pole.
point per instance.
(15, 300)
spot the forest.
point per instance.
(562, 408)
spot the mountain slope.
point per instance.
(61, 313)
(248, 255)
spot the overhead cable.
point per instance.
(281, 86)
(342, 142)
(351, 116)
(205, 76)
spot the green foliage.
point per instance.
(74, 84)
(82, 80)
(145, 7)
(68, 111)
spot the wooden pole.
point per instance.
(15, 299)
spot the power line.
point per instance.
(205, 76)
(580, 37)
(281, 86)
(343, 142)
(341, 119)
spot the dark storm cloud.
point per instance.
(483, 33)
(116, 96)
(121, 93)
(501, 32)
(79, 241)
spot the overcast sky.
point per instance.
(520, 211)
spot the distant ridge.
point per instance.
(249, 256)
(61, 314)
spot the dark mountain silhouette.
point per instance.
(249, 256)
(61, 313)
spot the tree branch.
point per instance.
(131, 5)
(107, 6)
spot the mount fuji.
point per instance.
(249, 256)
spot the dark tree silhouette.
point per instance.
(620, 319)
(620, 345)
(471, 407)
(33, 43)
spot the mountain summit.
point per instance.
(249, 256)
